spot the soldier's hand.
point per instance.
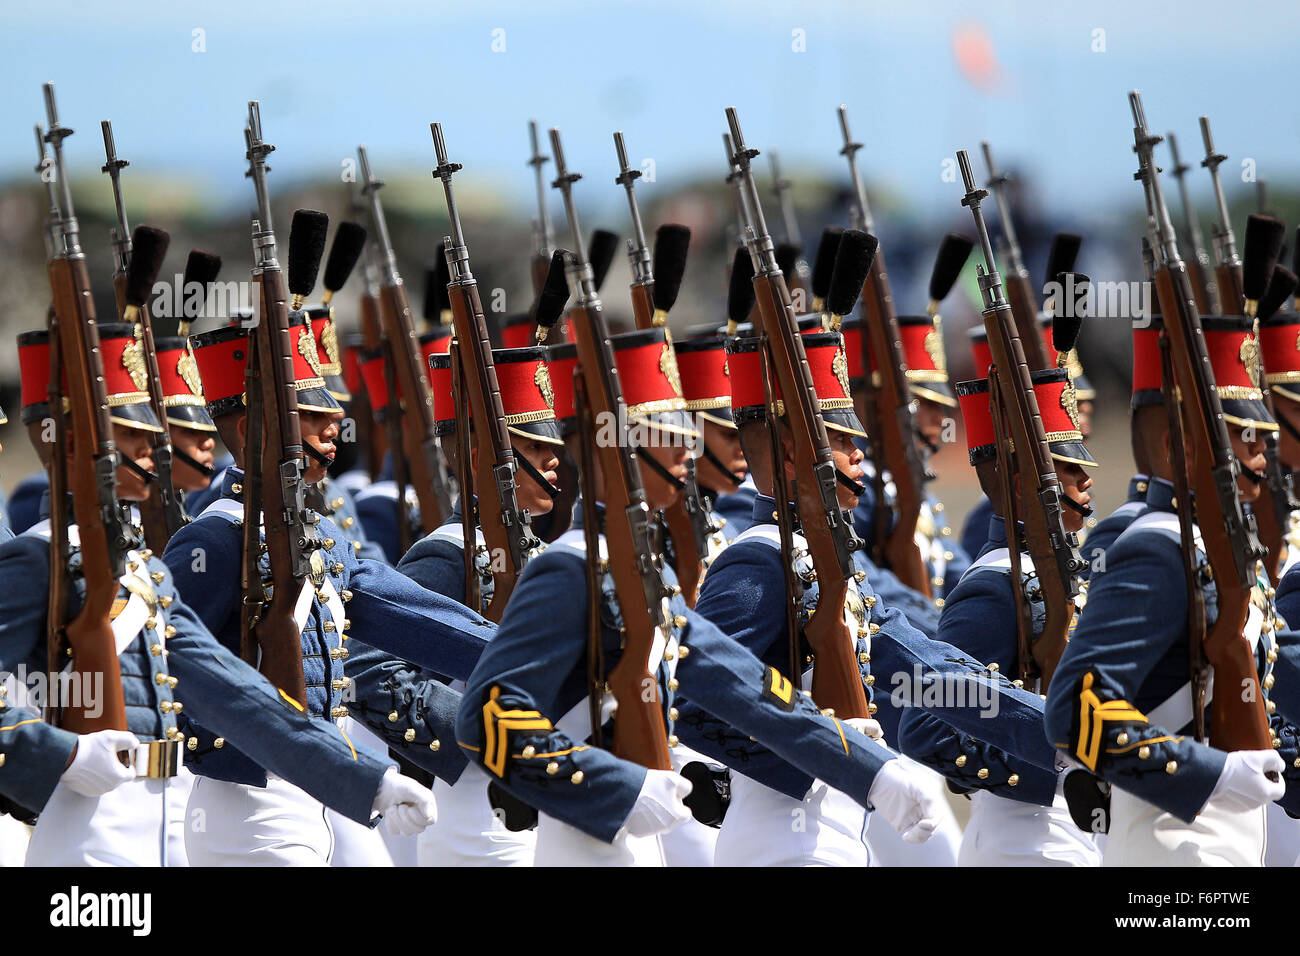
(1243, 785)
(866, 725)
(96, 767)
(408, 807)
(659, 806)
(898, 796)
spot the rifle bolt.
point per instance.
(577, 777)
(530, 752)
(435, 745)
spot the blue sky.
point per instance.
(330, 75)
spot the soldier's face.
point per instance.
(1075, 482)
(137, 446)
(670, 451)
(541, 456)
(1288, 447)
(725, 444)
(1248, 445)
(848, 459)
(929, 419)
(319, 430)
(199, 446)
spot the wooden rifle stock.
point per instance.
(897, 441)
(1236, 723)
(90, 476)
(417, 415)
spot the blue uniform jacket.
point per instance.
(190, 669)
(745, 593)
(736, 508)
(1128, 655)
(377, 510)
(534, 673)
(34, 756)
(25, 504)
(975, 532)
(1109, 528)
(387, 608)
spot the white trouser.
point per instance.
(14, 837)
(559, 844)
(468, 833)
(233, 824)
(354, 843)
(886, 844)
(1143, 835)
(767, 828)
(178, 798)
(1003, 832)
(692, 843)
(125, 827)
(1283, 847)
(401, 849)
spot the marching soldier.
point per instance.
(193, 435)
(388, 609)
(746, 592)
(162, 645)
(1018, 817)
(471, 833)
(1120, 703)
(525, 718)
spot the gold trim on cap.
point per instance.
(527, 418)
(704, 404)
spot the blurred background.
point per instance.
(1045, 87)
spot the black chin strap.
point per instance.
(857, 488)
(531, 471)
(716, 462)
(1074, 506)
(145, 474)
(1254, 477)
(207, 471)
(649, 461)
(313, 453)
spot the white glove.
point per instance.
(408, 807)
(1242, 785)
(898, 796)
(659, 805)
(96, 767)
(866, 725)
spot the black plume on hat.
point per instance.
(740, 294)
(853, 261)
(953, 253)
(306, 246)
(148, 247)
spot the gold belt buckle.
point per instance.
(157, 759)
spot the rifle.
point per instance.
(275, 511)
(888, 406)
(410, 379)
(507, 530)
(1019, 288)
(640, 734)
(161, 513)
(89, 474)
(687, 518)
(1203, 284)
(1231, 546)
(372, 341)
(801, 273)
(543, 241)
(1054, 552)
(837, 679)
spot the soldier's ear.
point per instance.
(242, 428)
